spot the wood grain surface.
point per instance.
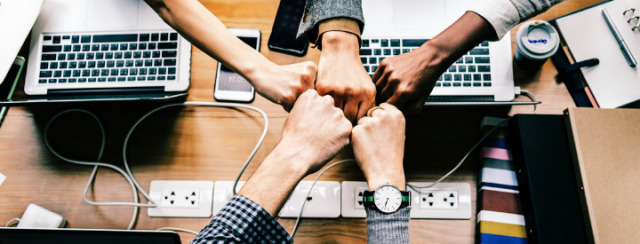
(196, 143)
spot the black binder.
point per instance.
(548, 187)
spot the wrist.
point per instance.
(376, 180)
(340, 43)
(295, 160)
(255, 71)
(438, 52)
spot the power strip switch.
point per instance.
(181, 198)
(323, 202)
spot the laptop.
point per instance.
(393, 27)
(98, 47)
(82, 236)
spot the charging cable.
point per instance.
(417, 188)
(12, 222)
(128, 175)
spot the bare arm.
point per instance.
(280, 84)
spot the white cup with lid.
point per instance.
(536, 41)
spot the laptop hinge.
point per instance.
(487, 98)
(135, 90)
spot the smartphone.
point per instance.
(8, 85)
(285, 28)
(232, 87)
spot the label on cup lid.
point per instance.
(538, 38)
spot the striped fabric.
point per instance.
(500, 219)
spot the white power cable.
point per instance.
(128, 175)
(295, 227)
(95, 168)
(10, 223)
(532, 97)
(177, 229)
(134, 184)
(415, 188)
(535, 108)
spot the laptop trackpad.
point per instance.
(419, 14)
(112, 13)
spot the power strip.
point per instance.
(324, 201)
(442, 201)
(181, 198)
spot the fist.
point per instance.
(378, 144)
(284, 84)
(315, 130)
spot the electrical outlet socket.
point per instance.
(352, 199)
(441, 201)
(222, 194)
(181, 198)
(324, 201)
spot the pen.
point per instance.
(623, 45)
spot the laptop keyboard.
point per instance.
(471, 70)
(104, 58)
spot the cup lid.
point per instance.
(538, 37)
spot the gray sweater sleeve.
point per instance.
(505, 14)
(388, 228)
(318, 10)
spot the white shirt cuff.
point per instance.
(501, 14)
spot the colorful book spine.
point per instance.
(499, 219)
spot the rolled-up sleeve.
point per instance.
(318, 12)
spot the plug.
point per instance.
(517, 90)
(39, 217)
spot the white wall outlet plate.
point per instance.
(181, 198)
(441, 201)
(352, 206)
(222, 194)
(324, 201)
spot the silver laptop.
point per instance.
(393, 27)
(95, 46)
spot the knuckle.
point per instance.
(305, 77)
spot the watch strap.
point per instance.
(367, 199)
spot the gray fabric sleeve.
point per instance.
(505, 14)
(319, 10)
(388, 228)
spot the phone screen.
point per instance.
(285, 29)
(229, 80)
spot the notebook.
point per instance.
(606, 159)
(613, 82)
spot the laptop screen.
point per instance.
(82, 236)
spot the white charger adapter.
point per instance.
(39, 217)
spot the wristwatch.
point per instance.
(387, 198)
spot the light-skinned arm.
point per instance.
(342, 75)
(378, 144)
(313, 134)
(279, 84)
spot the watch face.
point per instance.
(387, 198)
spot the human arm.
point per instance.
(313, 134)
(378, 144)
(407, 80)
(279, 84)
(335, 27)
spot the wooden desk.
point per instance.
(212, 144)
